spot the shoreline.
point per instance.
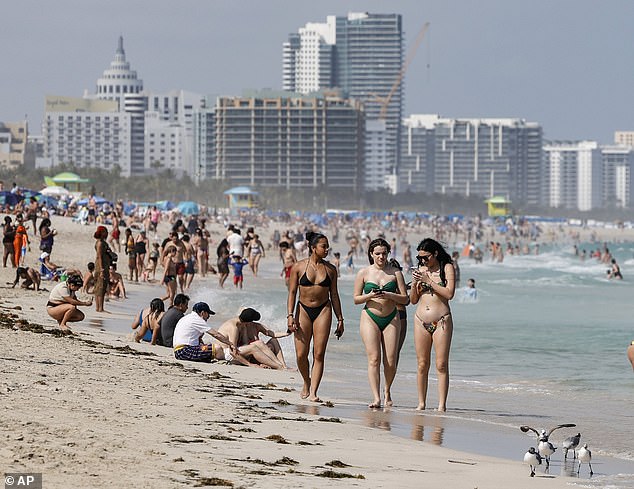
(79, 417)
(93, 409)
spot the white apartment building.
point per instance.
(13, 139)
(119, 79)
(576, 177)
(618, 176)
(169, 130)
(307, 57)
(85, 132)
(375, 168)
(487, 157)
(625, 138)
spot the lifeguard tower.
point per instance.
(241, 198)
(498, 206)
(66, 180)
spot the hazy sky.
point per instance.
(567, 64)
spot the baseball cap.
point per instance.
(202, 307)
(248, 315)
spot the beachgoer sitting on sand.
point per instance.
(188, 344)
(89, 279)
(630, 353)
(48, 269)
(244, 331)
(147, 323)
(62, 302)
(171, 317)
(115, 281)
(30, 276)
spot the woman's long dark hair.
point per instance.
(46, 222)
(223, 244)
(435, 248)
(313, 240)
(156, 307)
(373, 244)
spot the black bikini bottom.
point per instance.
(314, 312)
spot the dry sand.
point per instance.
(97, 410)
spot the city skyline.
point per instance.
(561, 64)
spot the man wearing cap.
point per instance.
(244, 331)
(188, 335)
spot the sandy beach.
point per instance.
(97, 410)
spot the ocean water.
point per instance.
(543, 344)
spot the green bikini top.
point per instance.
(391, 286)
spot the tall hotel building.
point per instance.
(485, 157)
(361, 54)
(618, 176)
(576, 175)
(101, 130)
(286, 140)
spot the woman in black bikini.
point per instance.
(433, 286)
(311, 318)
(381, 288)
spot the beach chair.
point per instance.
(47, 273)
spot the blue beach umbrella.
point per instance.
(98, 201)
(7, 198)
(188, 207)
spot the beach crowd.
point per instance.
(310, 272)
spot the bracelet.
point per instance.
(290, 315)
(340, 320)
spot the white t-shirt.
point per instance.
(60, 291)
(235, 244)
(188, 330)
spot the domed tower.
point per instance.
(119, 79)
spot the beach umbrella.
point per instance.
(164, 205)
(47, 200)
(188, 207)
(28, 193)
(7, 198)
(98, 201)
(54, 191)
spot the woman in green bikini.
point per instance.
(433, 286)
(380, 287)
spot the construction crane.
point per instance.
(385, 101)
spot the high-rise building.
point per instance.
(119, 79)
(13, 144)
(618, 176)
(286, 140)
(575, 174)
(625, 138)
(361, 54)
(169, 130)
(485, 157)
(120, 82)
(86, 133)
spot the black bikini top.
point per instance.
(305, 281)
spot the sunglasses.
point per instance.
(423, 259)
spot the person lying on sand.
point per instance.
(244, 331)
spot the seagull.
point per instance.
(544, 435)
(533, 459)
(571, 443)
(585, 456)
(546, 449)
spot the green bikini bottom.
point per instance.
(382, 321)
